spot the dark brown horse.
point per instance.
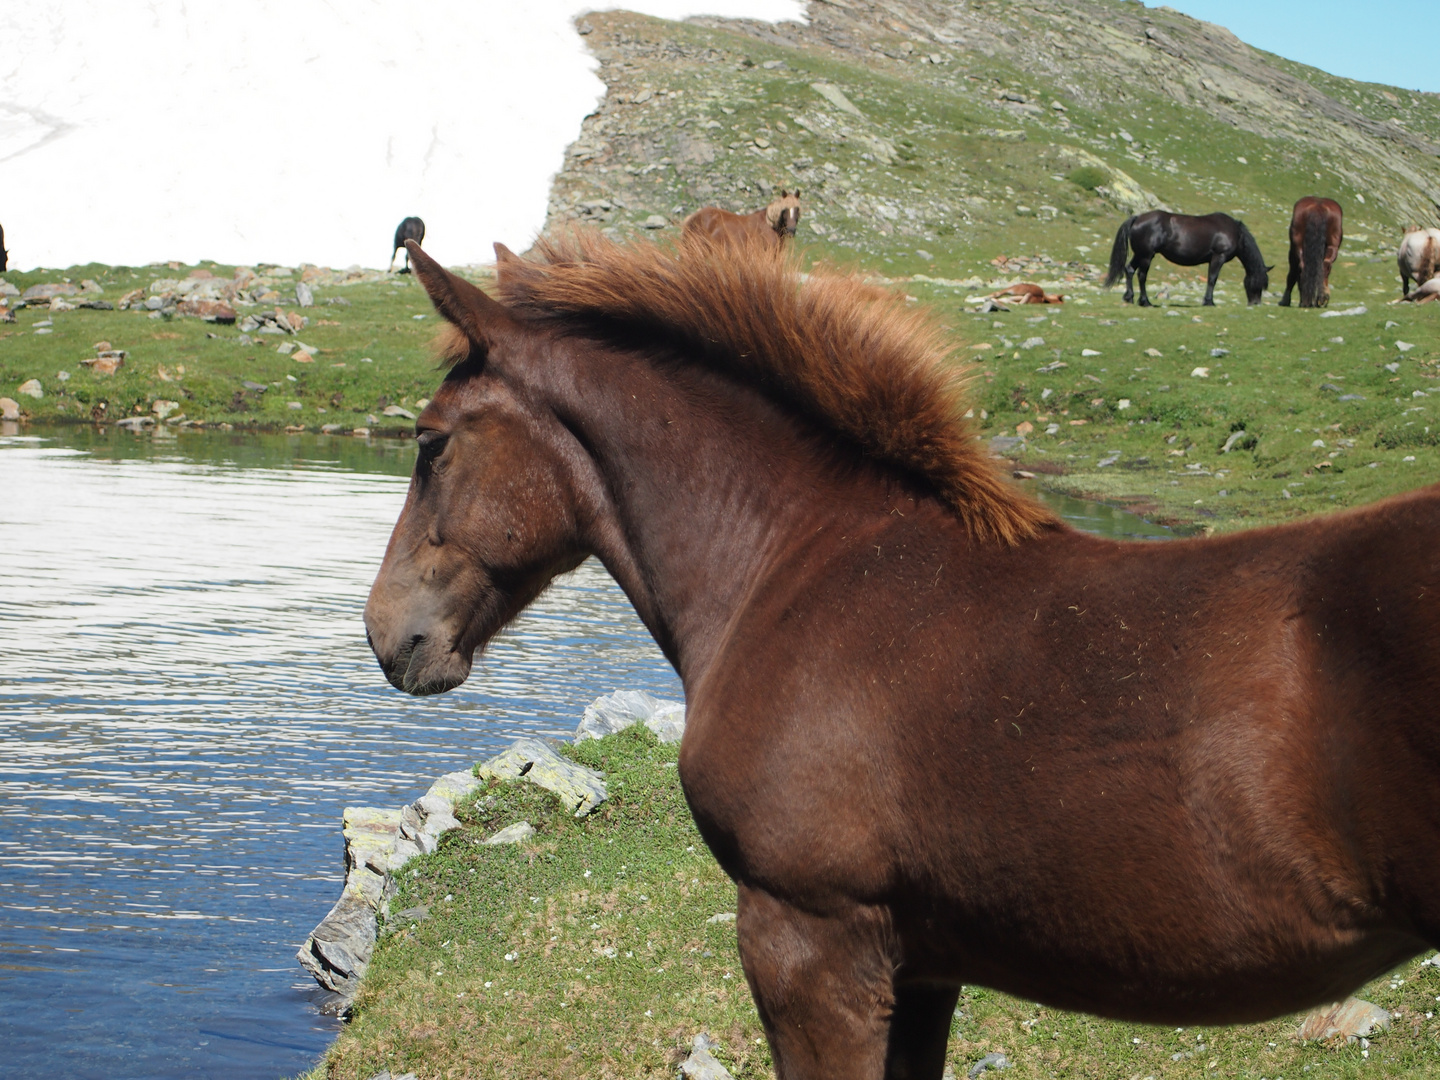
(1186, 241)
(775, 223)
(935, 736)
(1317, 226)
(412, 228)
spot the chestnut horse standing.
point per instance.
(934, 735)
(1317, 226)
(1186, 241)
(775, 223)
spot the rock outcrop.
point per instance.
(378, 842)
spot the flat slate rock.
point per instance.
(1351, 1018)
(536, 761)
(513, 834)
(701, 1064)
(624, 708)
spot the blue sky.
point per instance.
(1376, 41)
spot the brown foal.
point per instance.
(934, 735)
(772, 225)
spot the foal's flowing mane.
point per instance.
(850, 357)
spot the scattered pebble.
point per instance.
(1200, 373)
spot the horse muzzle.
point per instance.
(421, 665)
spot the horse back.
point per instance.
(721, 226)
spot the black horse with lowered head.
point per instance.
(412, 228)
(1186, 241)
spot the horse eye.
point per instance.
(431, 443)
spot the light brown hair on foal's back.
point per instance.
(852, 358)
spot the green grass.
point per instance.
(204, 367)
(617, 966)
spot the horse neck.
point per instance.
(1249, 251)
(702, 483)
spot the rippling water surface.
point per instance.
(186, 705)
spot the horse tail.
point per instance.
(1312, 261)
(1120, 252)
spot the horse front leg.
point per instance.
(824, 988)
(1216, 262)
(920, 1031)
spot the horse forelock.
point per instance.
(852, 358)
(779, 205)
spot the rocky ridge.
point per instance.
(917, 122)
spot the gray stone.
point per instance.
(338, 950)
(432, 804)
(701, 1064)
(452, 787)
(835, 96)
(513, 834)
(48, 291)
(303, 295)
(9, 409)
(31, 388)
(1235, 437)
(576, 786)
(722, 917)
(437, 825)
(989, 1061)
(6, 289)
(624, 708)
(1359, 309)
(654, 221)
(396, 410)
(1004, 444)
(1352, 1018)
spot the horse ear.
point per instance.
(797, 193)
(506, 261)
(468, 308)
(784, 193)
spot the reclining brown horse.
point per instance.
(1425, 294)
(1024, 292)
(775, 223)
(936, 736)
(1317, 228)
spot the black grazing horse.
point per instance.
(4, 255)
(412, 228)
(1186, 241)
